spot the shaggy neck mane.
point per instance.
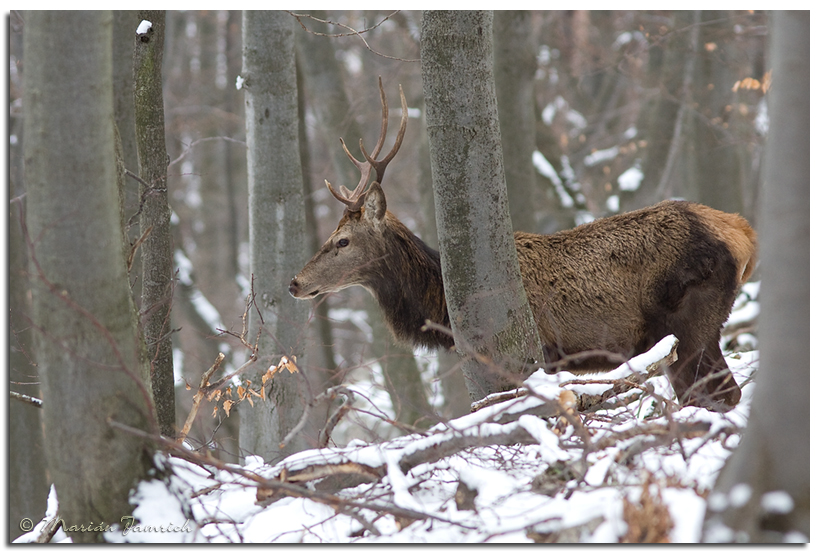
(407, 284)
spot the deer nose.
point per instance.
(294, 287)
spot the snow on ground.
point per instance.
(627, 464)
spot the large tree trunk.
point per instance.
(514, 53)
(772, 461)
(155, 216)
(487, 305)
(277, 229)
(87, 341)
(28, 484)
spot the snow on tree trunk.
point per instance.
(277, 228)
(762, 494)
(487, 305)
(87, 341)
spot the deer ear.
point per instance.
(374, 203)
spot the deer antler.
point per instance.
(354, 200)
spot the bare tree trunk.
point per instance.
(277, 229)
(155, 216)
(122, 44)
(28, 486)
(770, 469)
(87, 341)
(453, 387)
(27, 478)
(214, 257)
(514, 62)
(324, 329)
(487, 305)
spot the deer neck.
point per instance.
(407, 284)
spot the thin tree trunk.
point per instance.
(122, 44)
(321, 310)
(514, 63)
(87, 341)
(770, 469)
(487, 305)
(277, 229)
(155, 216)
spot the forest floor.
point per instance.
(604, 458)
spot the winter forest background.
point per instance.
(600, 113)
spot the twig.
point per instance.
(50, 529)
(203, 385)
(353, 32)
(136, 245)
(221, 382)
(333, 420)
(206, 139)
(329, 394)
(37, 402)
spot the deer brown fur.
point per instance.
(618, 284)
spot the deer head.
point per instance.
(348, 257)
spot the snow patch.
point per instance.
(144, 27)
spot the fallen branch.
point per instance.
(282, 488)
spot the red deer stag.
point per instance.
(618, 284)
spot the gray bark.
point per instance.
(87, 341)
(277, 228)
(325, 331)
(28, 485)
(488, 308)
(774, 454)
(514, 62)
(156, 250)
(122, 44)
(453, 386)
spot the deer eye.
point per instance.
(342, 243)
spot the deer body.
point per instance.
(618, 284)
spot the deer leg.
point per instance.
(701, 376)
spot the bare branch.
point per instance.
(203, 389)
(199, 141)
(37, 402)
(353, 32)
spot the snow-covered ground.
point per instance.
(631, 469)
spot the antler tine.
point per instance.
(354, 200)
(383, 132)
(381, 165)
